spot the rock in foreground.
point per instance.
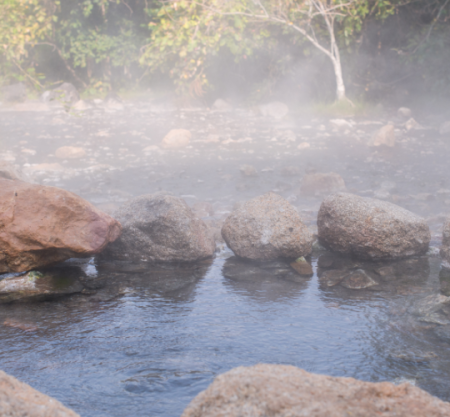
(42, 225)
(19, 400)
(160, 228)
(267, 227)
(370, 228)
(281, 391)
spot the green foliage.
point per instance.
(101, 45)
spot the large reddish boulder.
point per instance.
(281, 391)
(42, 225)
(19, 400)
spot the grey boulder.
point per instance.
(267, 227)
(371, 229)
(160, 228)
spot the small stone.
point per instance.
(384, 136)
(340, 124)
(70, 152)
(412, 124)
(302, 266)
(404, 112)
(248, 171)
(275, 109)
(176, 138)
(322, 183)
(332, 277)
(81, 105)
(358, 280)
(222, 105)
(303, 145)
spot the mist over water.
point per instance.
(151, 338)
(260, 116)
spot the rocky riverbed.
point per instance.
(140, 339)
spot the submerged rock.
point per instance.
(160, 228)
(19, 400)
(70, 152)
(248, 171)
(280, 390)
(38, 286)
(322, 183)
(370, 228)
(42, 225)
(384, 136)
(267, 227)
(358, 280)
(302, 266)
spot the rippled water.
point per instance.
(151, 339)
(143, 341)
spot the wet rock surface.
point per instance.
(18, 399)
(41, 285)
(267, 227)
(44, 225)
(160, 228)
(279, 390)
(370, 228)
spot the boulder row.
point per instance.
(371, 229)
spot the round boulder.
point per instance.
(160, 228)
(281, 391)
(371, 229)
(267, 227)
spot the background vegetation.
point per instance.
(252, 49)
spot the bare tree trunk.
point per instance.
(340, 86)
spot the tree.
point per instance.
(190, 30)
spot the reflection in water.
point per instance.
(407, 276)
(263, 281)
(145, 339)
